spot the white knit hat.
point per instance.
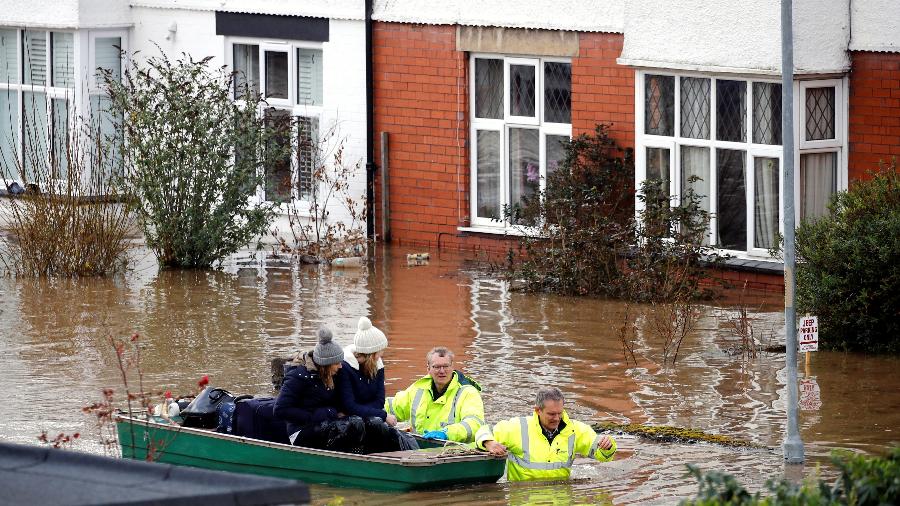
(368, 339)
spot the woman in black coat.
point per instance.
(309, 404)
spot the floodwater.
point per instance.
(55, 358)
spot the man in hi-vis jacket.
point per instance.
(446, 404)
(543, 446)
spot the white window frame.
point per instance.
(838, 145)
(51, 93)
(752, 150)
(314, 112)
(503, 126)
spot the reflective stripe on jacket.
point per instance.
(459, 411)
(531, 457)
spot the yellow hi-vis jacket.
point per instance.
(459, 411)
(531, 457)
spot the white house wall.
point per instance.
(195, 33)
(103, 13)
(735, 36)
(44, 13)
(333, 9)
(876, 25)
(344, 79)
(576, 15)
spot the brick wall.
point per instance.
(874, 126)
(421, 100)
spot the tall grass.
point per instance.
(70, 219)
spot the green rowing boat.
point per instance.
(392, 471)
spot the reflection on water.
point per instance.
(229, 324)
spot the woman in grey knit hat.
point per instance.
(309, 404)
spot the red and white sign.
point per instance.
(809, 333)
(810, 396)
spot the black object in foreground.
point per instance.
(37, 475)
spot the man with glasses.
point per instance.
(446, 404)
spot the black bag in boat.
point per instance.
(202, 411)
(255, 418)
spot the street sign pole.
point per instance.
(793, 445)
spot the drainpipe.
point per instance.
(793, 445)
(370, 129)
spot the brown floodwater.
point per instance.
(55, 358)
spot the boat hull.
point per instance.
(394, 471)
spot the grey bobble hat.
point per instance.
(368, 339)
(327, 352)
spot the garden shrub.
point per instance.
(67, 218)
(194, 157)
(848, 266)
(581, 236)
(864, 480)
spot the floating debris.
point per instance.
(668, 434)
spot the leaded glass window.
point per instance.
(819, 113)
(659, 105)
(767, 113)
(558, 92)
(731, 110)
(522, 84)
(488, 88)
(695, 107)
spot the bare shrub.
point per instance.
(672, 322)
(65, 216)
(316, 236)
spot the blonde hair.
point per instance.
(368, 364)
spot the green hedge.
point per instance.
(864, 481)
(848, 269)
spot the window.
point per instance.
(521, 119)
(106, 55)
(37, 84)
(290, 77)
(820, 145)
(721, 138)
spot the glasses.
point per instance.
(440, 367)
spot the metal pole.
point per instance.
(385, 194)
(793, 445)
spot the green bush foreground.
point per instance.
(848, 268)
(864, 480)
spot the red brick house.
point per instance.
(474, 98)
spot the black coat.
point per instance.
(360, 395)
(303, 400)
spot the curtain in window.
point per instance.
(487, 168)
(107, 56)
(309, 76)
(524, 164)
(556, 151)
(63, 59)
(9, 57)
(246, 66)
(818, 181)
(695, 162)
(765, 202)
(35, 58)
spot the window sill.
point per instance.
(507, 231)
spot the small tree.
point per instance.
(193, 158)
(848, 266)
(582, 236)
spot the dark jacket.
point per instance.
(303, 400)
(360, 395)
